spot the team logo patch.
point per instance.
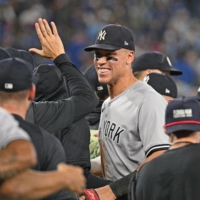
(102, 35)
(8, 86)
(167, 91)
(125, 43)
(180, 113)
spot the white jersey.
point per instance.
(9, 129)
(131, 128)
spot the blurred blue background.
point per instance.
(169, 26)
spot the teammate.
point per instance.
(127, 135)
(159, 179)
(163, 84)
(53, 116)
(75, 139)
(16, 93)
(153, 61)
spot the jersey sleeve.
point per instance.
(151, 121)
(10, 130)
(54, 116)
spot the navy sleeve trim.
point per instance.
(156, 148)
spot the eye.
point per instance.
(112, 58)
(96, 57)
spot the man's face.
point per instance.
(111, 65)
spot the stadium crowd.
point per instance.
(168, 26)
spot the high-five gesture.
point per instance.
(52, 45)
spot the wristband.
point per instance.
(91, 194)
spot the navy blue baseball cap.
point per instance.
(113, 37)
(23, 54)
(4, 54)
(162, 83)
(154, 60)
(182, 114)
(101, 89)
(16, 75)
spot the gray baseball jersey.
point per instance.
(9, 129)
(131, 128)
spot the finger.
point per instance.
(42, 27)
(37, 51)
(39, 33)
(55, 32)
(47, 27)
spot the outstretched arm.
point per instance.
(36, 185)
(82, 98)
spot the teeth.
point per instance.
(103, 70)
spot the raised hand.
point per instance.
(52, 45)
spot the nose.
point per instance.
(101, 60)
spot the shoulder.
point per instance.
(145, 94)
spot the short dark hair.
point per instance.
(17, 96)
(181, 134)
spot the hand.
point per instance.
(73, 177)
(52, 45)
(82, 197)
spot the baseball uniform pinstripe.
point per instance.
(131, 128)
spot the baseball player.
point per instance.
(153, 61)
(175, 174)
(127, 135)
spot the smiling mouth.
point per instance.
(103, 70)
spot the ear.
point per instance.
(131, 56)
(32, 92)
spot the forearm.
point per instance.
(79, 89)
(32, 185)
(16, 157)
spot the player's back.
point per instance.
(172, 176)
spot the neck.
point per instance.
(120, 86)
(182, 142)
(16, 109)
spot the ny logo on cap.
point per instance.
(102, 35)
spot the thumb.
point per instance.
(37, 51)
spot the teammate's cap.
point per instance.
(162, 83)
(182, 114)
(113, 37)
(154, 60)
(19, 53)
(100, 88)
(15, 75)
(4, 54)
